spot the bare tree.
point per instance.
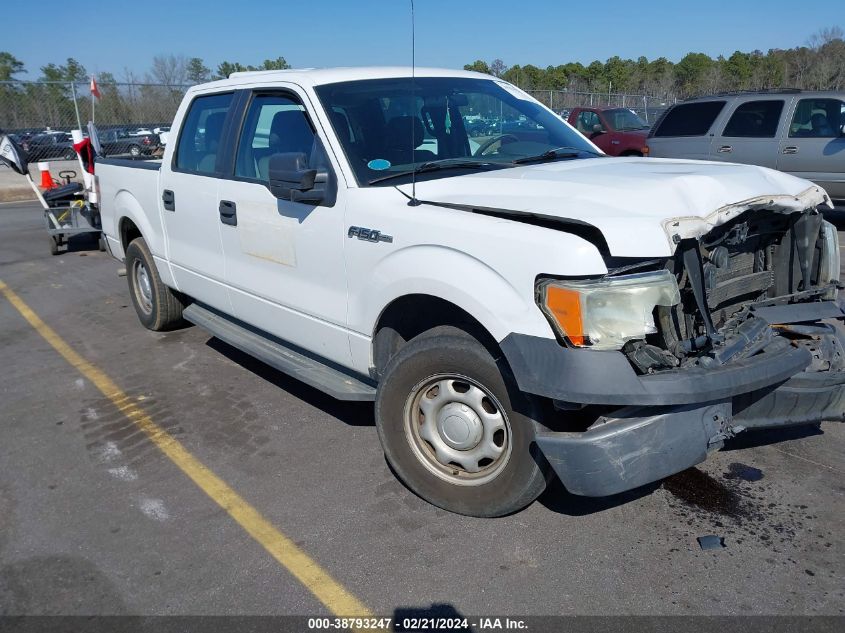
(170, 70)
(497, 67)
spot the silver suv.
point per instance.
(802, 133)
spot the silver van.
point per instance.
(799, 132)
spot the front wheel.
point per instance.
(134, 151)
(159, 308)
(452, 430)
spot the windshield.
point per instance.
(468, 123)
(622, 119)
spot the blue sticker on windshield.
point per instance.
(379, 164)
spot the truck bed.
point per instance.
(130, 189)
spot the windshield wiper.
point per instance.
(557, 152)
(435, 165)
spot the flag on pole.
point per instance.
(94, 89)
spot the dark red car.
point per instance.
(617, 131)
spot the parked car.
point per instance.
(50, 145)
(141, 131)
(118, 141)
(517, 308)
(617, 131)
(799, 132)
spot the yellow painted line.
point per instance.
(307, 571)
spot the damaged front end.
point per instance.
(750, 337)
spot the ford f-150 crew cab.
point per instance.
(517, 306)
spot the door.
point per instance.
(284, 259)
(686, 130)
(750, 135)
(586, 124)
(189, 201)
(814, 147)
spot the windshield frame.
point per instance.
(534, 111)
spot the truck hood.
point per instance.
(642, 206)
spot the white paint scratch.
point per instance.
(80, 383)
(154, 508)
(124, 473)
(109, 452)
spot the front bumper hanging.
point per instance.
(671, 420)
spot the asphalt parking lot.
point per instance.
(95, 519)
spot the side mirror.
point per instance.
(291, 179)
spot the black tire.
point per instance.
(448, 351)
(54, 245)
(158, 307)
(69, 155)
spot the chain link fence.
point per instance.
(648, 107)
(41, 105)
(129, 116)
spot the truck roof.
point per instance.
(320, 76)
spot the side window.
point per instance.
(755, 119)
(586, 120)
(689, 119)
(275, 124)
(818, 118)
(201, 134)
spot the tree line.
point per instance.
(152, 97)
(819, 65)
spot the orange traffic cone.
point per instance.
(46, 178)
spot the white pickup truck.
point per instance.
(516, 304)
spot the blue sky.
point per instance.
(364, 32)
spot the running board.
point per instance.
(275, 353)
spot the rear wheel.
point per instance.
(134, 151)
(452, 429)
(158, 307)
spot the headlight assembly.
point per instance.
(830, 262)
(606, 313)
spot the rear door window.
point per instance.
(690, 119)
(202, 133)
(818, 118)
(755, 119)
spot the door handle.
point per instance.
(792, 149)
(725, 149)
(228, 212)
(169, 200)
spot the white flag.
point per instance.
(12, 156)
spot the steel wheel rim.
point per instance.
(135, 151)
(143, 287)
(457, 429)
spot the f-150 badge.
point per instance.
(369, 235)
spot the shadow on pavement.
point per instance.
(351, 413)
(420, 618)
(762, 437)
(557, 499)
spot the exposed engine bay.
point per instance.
(728, 280)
